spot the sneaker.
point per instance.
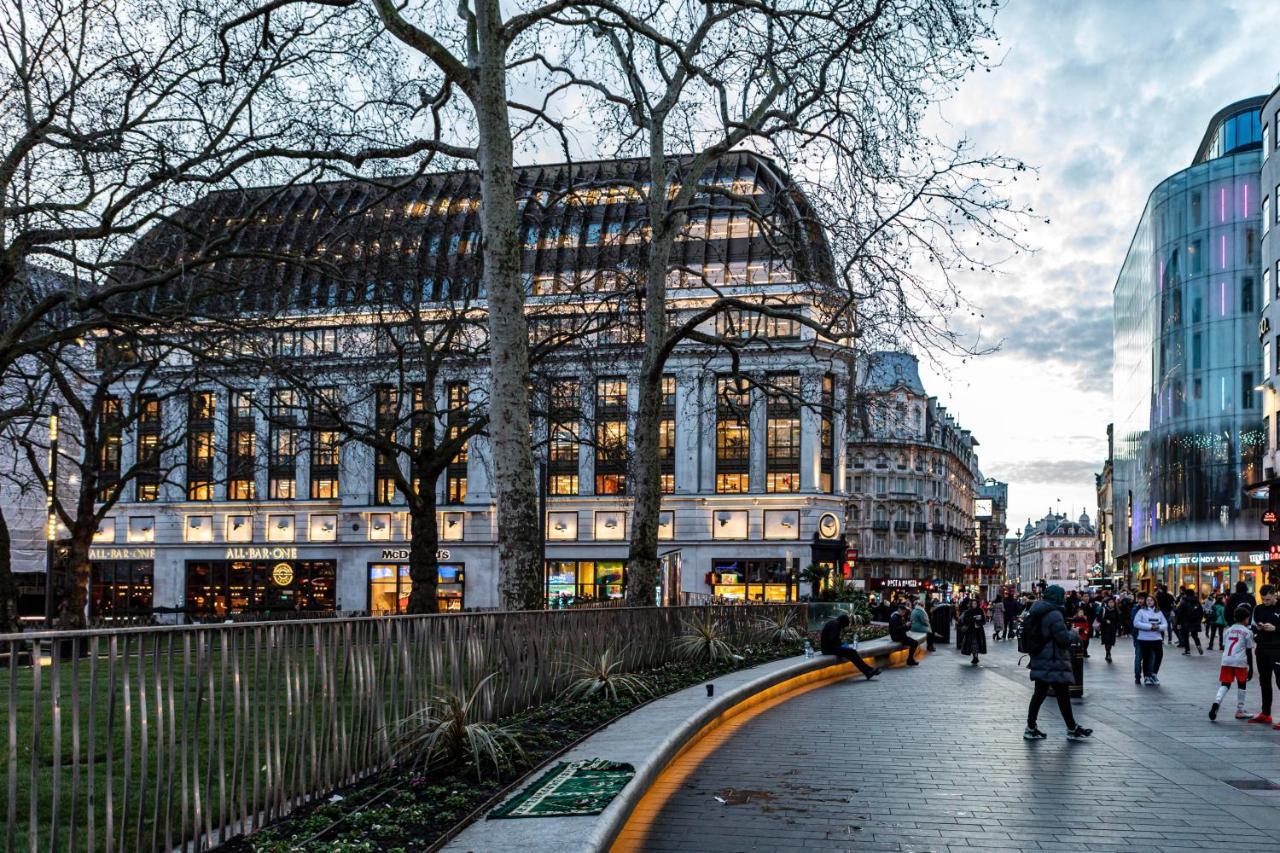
(1265, 719)
(1200, 650)
(913, 662)
(1186, 653)
(1243, 715)
(1033, 734)
(1155, 679)
(1079, 733)
(1149, 681)
(1276, 726)
(1213, 712)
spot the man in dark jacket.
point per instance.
(1050, 643)
(1011, 610)
(1239, 597)
(1266, 627)
(1190, 615)
(898, 624)
(830, 643)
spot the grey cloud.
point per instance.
(1051, 471)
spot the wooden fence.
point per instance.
(155, 738)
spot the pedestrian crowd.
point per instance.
(1050, 624)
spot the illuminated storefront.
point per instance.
(571, 580)
(390, 585)
(228, 587)
(753, 580)
(1207, 572)
(121, 582)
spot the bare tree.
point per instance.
(835, 92)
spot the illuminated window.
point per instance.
(457, 396)
(826, 426)
(563, 422)
(667, 437)
(283, 449)
(110, 430)
(200, 414)
(325, 446)
(386, 415)
(733, 435)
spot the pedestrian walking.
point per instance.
(975, 635)
(1081, 623)
(997, 620)
(1237, 664)
(1266, 625)
(1217, 619)
(1164, 602)
(830, 642)
(1048, 641)
(1190, 615)
(1109, 626)
(1150, 627)
(898, 624)
(1239, 597)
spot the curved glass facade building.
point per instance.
(1188, 417)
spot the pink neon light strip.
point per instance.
(1246, 201)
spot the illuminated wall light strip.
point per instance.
(1222, 297)
(1222, 204)
(1245, 187)
(1162, 274)
(1224, 251)
(1222, 385)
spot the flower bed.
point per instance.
(414, 811)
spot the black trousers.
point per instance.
(854, 658)
(1218, 630)
(1268, 668)
(1152, 653)
(1064, 703)
(911, 643)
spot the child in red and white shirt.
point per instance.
(1237, 662)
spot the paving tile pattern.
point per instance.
(932, 759)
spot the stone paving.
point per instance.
(932, 759)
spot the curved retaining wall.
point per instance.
(650, 738)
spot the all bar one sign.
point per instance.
(279, 552)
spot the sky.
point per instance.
(1105, 98)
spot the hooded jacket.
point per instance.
(1143, 618)
(1052, 664)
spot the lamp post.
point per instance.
(51, 518)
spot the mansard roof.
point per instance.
(336, 244)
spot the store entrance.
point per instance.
(220, 588)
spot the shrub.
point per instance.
(447, 730)
(604, 675)
(779, 626)
(705, 640)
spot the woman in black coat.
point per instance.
(1109, 626)
(974, 641)
(1051, 640)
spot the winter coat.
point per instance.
(1052, 664)
(1012, 607)
(1110, 622)
(1143, 618)
(974, 641)
(897, 628)
(919, 620)
(1190, 614)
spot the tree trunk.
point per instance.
(646, 472)
(424, 541)
(520, 545)
(8, 587)
(71, 595)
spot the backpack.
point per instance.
(1031, 640)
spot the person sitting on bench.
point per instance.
(898, 624)
(831, 644)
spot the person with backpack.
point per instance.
(1048, 640)
(1190, 615)
(1217, 619)
(1149, 625)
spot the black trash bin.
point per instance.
(1077, 670)
(940, 621)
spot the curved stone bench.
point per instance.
(651, 737)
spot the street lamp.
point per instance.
(51, 520)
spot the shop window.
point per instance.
(121, 589)
(390, 585)
(199, 528)
(220, 588)
(323, 528)
(666, 525)
(752, 580)
(106, 532)
(569, 581)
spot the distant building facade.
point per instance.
(913, 480)
(987, 563)
(1057, 550)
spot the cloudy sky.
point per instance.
(1105, 98)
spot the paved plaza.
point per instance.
(932, 759)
